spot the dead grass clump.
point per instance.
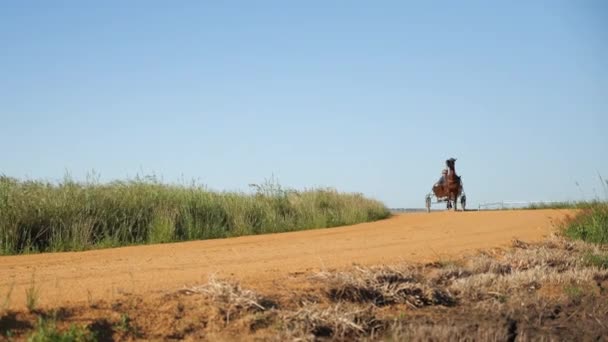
(448, 274)
(490, 285)
(526, 267)
(541, 257)
(232, 300)
(337, 323)
(483, 264)
(386, 286)
(449, 331)
(555, 252)
(520, 244)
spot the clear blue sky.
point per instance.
(366, 96)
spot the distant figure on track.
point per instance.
(448, 188)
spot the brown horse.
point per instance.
(449, 188)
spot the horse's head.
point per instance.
(451, 163)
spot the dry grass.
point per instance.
(230, 299)
(385, 286)
(448, 330)
(339, 322)
(555, 262)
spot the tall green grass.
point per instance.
(37, 216)
(590, 224)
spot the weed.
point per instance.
(126, 326)
(32, 296)
(47, 331)
(597, 260)
(573, 291)
(7, 298)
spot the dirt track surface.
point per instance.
(264, 261)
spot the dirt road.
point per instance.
(262, 261)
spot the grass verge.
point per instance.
(591, 224)
(40, 216)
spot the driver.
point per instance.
(444, 175)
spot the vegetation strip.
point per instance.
(40, 216)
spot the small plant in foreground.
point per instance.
(32, 296)
(125, 325)
(597, 260)
(47, 331)
(7, 299)
(573, 291)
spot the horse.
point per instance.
(450, 185)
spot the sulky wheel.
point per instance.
(428, 203)
(463, 202)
